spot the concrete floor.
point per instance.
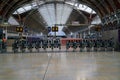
(60, 66)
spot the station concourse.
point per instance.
(59, 39)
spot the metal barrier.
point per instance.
(24, 46)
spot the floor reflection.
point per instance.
(62, 66)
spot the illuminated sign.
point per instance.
(54, 29)
(19, 29)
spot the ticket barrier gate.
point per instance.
(57, 44)
(23, 45)
(19, 45)
(109, 45)
(37, 45)
(97, 45)
(51, 44)
(103, 45)
(3, 47)
(30, 46)
(68, 45)
(44, 44)
(83, 45)
(89, 45)
(15, 46)
(80, 45)
(74, 45)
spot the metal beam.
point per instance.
(117, 4)
(112, 5)
(15, 7)
(93, 6)
(9, 6)
(4, 2)
(98, 5)
(109, 7)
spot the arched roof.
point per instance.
(102, 7)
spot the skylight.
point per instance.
(36, 3)
(55, 13)
(82, 7)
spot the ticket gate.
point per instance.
(83, 45)
(110, 45)
(68, 44)
(45, 44)
(15, 46)
(89, 45)
(74, 45)
(51, 44)
(57, 44)
(37, 45)
(23, 45)
(30, 46)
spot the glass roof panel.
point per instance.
(23, 9)
(12, 21)
(66, 13)
(27, 7)
(20, 10)
(33, 4)
(59, 13)
(70, 2)
(82, 7)
(51, 12)
(55, 13)
(44, 12)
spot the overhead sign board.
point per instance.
(19, 29)
(55, 29)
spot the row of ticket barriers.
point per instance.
(91, 45)
(52, 44)
(22, 45)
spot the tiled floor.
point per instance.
(60, 66)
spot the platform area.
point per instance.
(60, 66)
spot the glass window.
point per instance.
(20, 10)
(81, 7)
(66, 13)
(73, 3)
(55, 14)
(44, 12)
(27, 7)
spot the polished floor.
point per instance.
(60, 66)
